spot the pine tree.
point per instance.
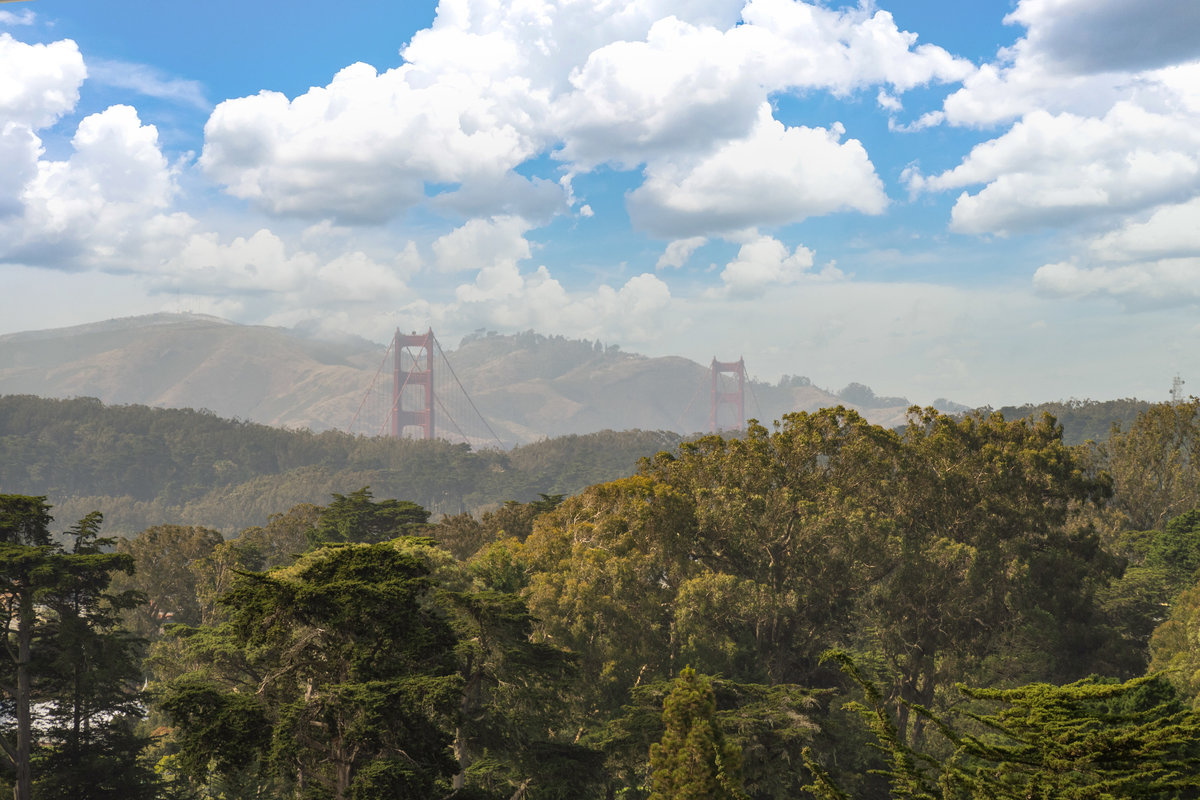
(66, 654)
(693, 761)
(89, 671)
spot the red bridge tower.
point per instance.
(728, 399)
(412, 381)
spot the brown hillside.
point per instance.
(527, 385)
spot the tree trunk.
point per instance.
(460, 754)
(23, 787)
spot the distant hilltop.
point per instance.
(528, 385)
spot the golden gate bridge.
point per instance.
(415, 393)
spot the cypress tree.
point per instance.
(693, 761)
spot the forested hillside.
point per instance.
(1083, 420)
(143, 466)
(965, 608)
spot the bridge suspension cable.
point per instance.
(422, 382)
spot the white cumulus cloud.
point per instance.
(1079, 56)
(679, 251)
(774, 176)
(364, 147)
(504, 297)
(482, 243)
(763, 263)
(1171, 230)
(1110, 35)
(491, 85)
(106, 206)
(38, 82)
(1164, 282)
(264, 264)
(1051, 169)
(1149, 261)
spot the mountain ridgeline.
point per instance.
(126, 438)
(527, 386)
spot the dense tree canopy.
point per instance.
(165, 558)
(1155, 464)
(351, 675)
(1088, 739)
(655, 635)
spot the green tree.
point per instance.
(1160, 565)
(461, 534)
(603, 571)
(1087, 739)
(164, 557)
(693, 761)
(337, 671)
(1177, 548)
(786, 540)
(513, 693)
(279, 543)
(282, 540)
(89, 678)
(464, 536)
(1155, 465)
(65, 651)
(1175, 645)
(985, 576)
(356, 518)
(771, 725)
(26, 555)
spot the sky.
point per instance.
(992, 202)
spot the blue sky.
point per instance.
(992, 202)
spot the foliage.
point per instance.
(88, 748)
(566, 464)
(333, 666)
(1088, 739)
(145, 466)
(785, 541)
(1175, 645)
(356, 519)
(529, 651)
(367, 668)
(1161, 564)
(1155, 464)
(982, 558)
(941, 552)
(66, 653)
(282, 540)
(771, 726)
(1177, 549)
(164, 557)
(603, 568)
(511, 700)
(939, 547)
(464, 535)
(1082, 420)
(693, 761)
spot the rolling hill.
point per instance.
(528, 386)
